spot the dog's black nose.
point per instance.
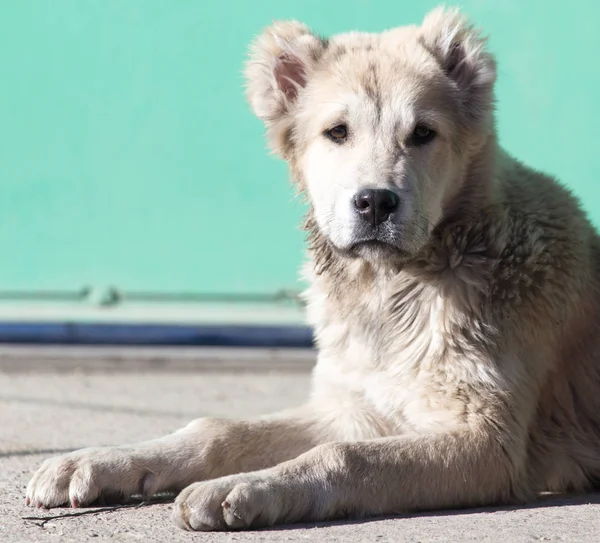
(376, 205)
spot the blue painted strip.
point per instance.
(155, 334)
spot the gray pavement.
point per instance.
(57, 400)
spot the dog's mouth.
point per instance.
(382, 243)
(375, 249)
(372, 245)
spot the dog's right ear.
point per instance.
(280, 62)
(462, 53)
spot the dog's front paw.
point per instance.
(81, 477)
(248, 500)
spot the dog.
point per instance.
(454, 294)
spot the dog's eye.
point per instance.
(337, 134)
(421, 135)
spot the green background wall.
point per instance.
(129, 158)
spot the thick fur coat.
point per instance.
(454, 293)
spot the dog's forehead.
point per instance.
(390, 39)
(393, 51)
(382, 66)
(388, 77)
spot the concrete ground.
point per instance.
(56, 400)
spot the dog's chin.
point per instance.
(375, 251)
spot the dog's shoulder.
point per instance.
(534, 232)
(547, 241)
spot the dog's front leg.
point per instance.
(368, 478)
(204, 449)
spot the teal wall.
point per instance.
(128, 156)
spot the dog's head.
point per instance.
(378, 128)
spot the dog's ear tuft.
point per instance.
(461, 51)
(279, 65)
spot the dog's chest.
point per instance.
(394, 355)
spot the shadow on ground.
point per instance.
(136, 503)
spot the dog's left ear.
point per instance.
(280, 63)
(461, 51)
